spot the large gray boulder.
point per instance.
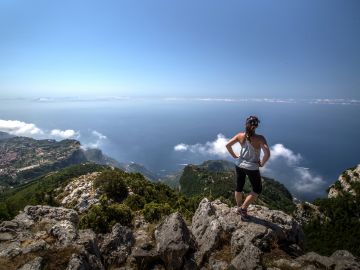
(339, 260)
(51, 232)
(87, 256)
(35, 264)
(115, 247)
(49, 214)
(174, 242)
(216, 225)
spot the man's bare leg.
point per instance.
(249, 199)
(238, 198)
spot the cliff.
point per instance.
(347, 183)
(24, 159)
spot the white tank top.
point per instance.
(249, 156)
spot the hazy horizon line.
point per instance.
(107, 98)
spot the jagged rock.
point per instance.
(218, 264)
(49, 213)
(206, 229)
(146, 257)
(80, 193)
(144, 252)
(89, 254)
(217, 239)
(88, 241)
(215, 225)
(23, 221)
(84, 261)
(34, 246)
(174, 241)
(8, 226)
(320, 261)
(6, 236)
(42, 229)
(249, 258)
(345, 182)
(345, 260)
(35, 264)
(306, 212)
(339, 260)
(64, 231)
(285, 263)
(10, 250)
(78, 262)
(116, 246)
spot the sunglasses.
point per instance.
(253, 123)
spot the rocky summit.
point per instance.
(45, 237)
(347, 183)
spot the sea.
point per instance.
(312, 141)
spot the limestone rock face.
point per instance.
(80, 194)
(339, 260)
(115, 247)
(345, 183)
(44, 237)
(33, 265)
(305, 212)
(216, 226)
(50, 231)
(174, 242)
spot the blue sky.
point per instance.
(279, 49)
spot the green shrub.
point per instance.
(42, 190)
(346, 177)
(101, 218)
(338, 185)
(135, 202)
(119, 213)
(96, 219)
(340, 231)
(4, 213)
(155, 211)
(112, 183)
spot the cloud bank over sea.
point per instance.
(19, 128)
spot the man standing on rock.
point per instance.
(248, 163)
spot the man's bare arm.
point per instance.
(266, 150)
(230, 143)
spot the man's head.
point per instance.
(252, 122)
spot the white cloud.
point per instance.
(64, 134)
(96, 141)
(181, 147)
(212, 148)
(99, 135)
(326, 101)
(307, 182)
(20, 128)
(279, 151)
(284, 165)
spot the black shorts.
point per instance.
(254, 177)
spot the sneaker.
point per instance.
(243, 214)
